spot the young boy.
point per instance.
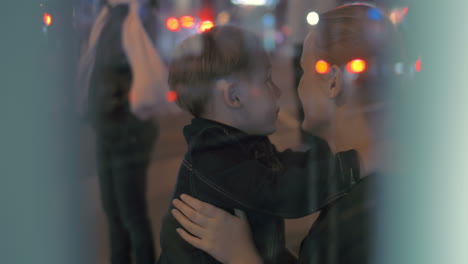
(223, 78)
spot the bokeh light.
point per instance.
(399, 68)
(172, 24)
(313, 18)
(405, 10)
(356, 66)
(171, 96)
(187, 21)
(251, 2)
(374, 14)
(417, 65)
(47, 18)
(205, 25)
(268, 20)
(397, 16)
(322, 67)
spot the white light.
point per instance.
(250, 2)
(313, 18)
(399, 68)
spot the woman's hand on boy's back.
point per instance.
(224, 236)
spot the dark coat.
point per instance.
(232, 170)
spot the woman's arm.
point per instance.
(224, 236)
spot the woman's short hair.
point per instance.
(359, 31)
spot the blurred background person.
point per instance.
(123, 82)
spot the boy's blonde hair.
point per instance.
(200, 60)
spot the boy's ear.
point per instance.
(334, 82)
(231, 93)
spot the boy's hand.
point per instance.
(224, 236)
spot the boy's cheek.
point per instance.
(256, 92)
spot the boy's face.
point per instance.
(260, 106)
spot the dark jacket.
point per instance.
(344, 231)
(108, 109)
(232, 170)
(108, 106)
